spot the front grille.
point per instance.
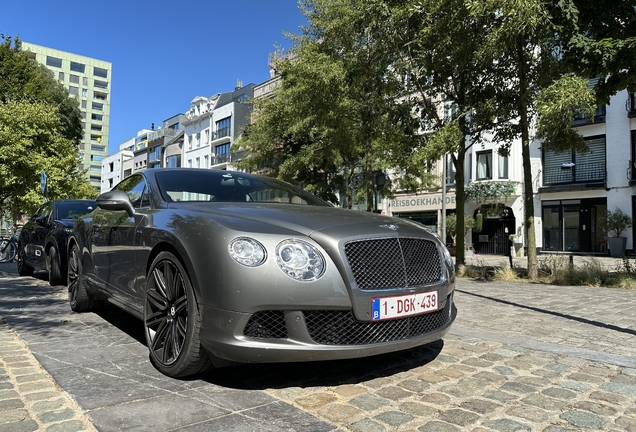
(390, 263)
(266, 325)
(342, 328)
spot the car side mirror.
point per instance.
(115, 200)
(41, 220)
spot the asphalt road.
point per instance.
(520, 357)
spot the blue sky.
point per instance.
(164, 54)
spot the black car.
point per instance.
(227, 267)
(42, 243)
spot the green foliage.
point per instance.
(599, 40)
(489, 190)
(38, 132)
(556, 107)
(451, 225)
(335, 116)
(615, 222)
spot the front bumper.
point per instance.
(291, 336)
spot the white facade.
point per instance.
(604, 184)
(198, 130)
(113, 169)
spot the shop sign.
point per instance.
(422, 202)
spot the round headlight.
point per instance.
(300, 260)
(247, 251)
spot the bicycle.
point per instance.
(9, 246)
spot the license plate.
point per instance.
(406, 305)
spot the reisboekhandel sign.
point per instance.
(412, 203)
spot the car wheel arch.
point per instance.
(183, 258)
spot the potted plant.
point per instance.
(615, 223)
(451, 227)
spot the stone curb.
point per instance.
(30, 400)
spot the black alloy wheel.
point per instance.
(23, 268)
(53, 266)
(78, 297)
(172, 320)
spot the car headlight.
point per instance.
(447, 257)
(300, 260)
(247, 251)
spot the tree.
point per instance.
(337, 112)
(598, 40)
(40, 127)
(534, 86)
(450, 82)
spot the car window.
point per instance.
(134, 186)
(73, 210)
(226, 186)
(44, 211)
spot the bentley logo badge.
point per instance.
(389, 226)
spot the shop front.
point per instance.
(424, 208)
(573, 225)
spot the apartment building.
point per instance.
(573, 190)
(212, 125)
(88, 80)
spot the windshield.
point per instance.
(227, 186)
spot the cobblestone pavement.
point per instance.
(520, 357)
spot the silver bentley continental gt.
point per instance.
(225, 267)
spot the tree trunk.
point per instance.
(460, 257)
(524, 123)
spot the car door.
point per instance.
(113, 241)
(35, 231)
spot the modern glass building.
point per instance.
(88, 80)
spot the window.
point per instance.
(198, 139)
(100, 95)
(95, 168)
(83, 114)
(53, 61)
(190, 139)
(98, 148)
(135, 187)
(173, 161)
(502, 166)
(198, 165)
(207, 136)
(84, 104)
(84, 81)
(60, 76)
(100, 72)
(101, 84)
(95, 127)
(78, 67)
(189, 163)
(484, 165)
(222, 153)
(206, 161)
(97, 158)
(98, 106)
(111, 168)
(31, 55)
(97, 117)
(73, 90)
(575, 167)
(223, 127)
(450, 170)
(73, 78)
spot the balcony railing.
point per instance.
(575, 173)
(222, 158)
(599, 116)
(222, 133)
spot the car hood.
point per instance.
(66, 222)
(331, 221)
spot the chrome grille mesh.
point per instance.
(390, 263)
(266, 325)
(329, 327)
(341, 327)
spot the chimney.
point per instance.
(152, 126)
(239, 84)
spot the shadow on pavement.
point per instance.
(259, 376)
(558, 314)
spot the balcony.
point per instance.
(581, 119)
(221, 133)
(221, 158)
(585, 175)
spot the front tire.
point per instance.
(53, 266)
(172, 320)
(23, 268)
(78, 297)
